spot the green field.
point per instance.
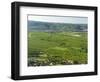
(57, 48)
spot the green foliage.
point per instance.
(58, 48)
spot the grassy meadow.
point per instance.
(57, 48)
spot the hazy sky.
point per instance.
(59, 19)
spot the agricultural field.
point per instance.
(57, 48)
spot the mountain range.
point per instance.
(55, 27)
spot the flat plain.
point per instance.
(57, 48)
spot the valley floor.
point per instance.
(57, 48)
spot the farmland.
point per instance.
(57, 48)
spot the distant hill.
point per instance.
(55, 27)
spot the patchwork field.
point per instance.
(57, 48)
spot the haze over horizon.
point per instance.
(58, 19)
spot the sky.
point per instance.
(59, 19)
